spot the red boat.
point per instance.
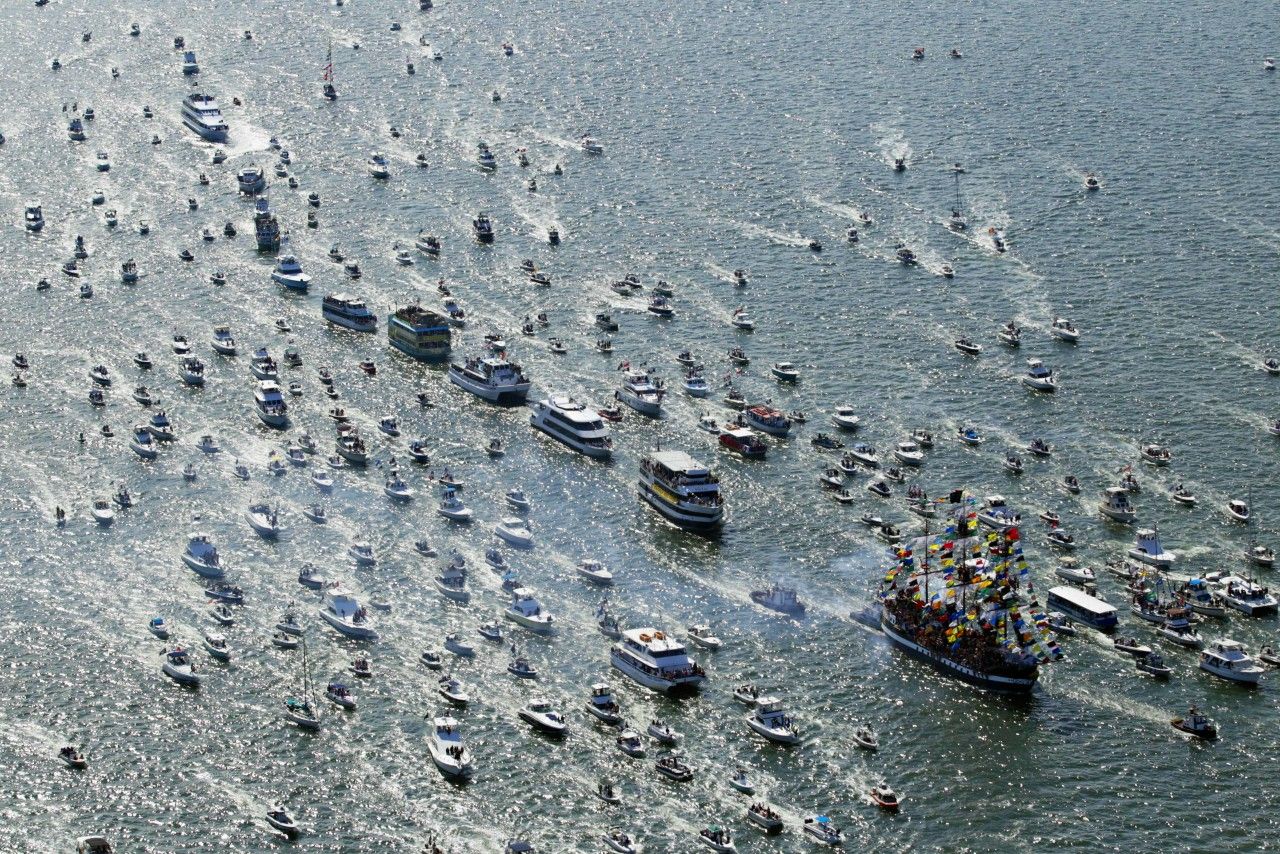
(884, 797)
(610, 413)
(742, 441)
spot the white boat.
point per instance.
(526, 610)
(189, 64)
(378, 167)
(452, 508)
(451, 690)
(362, 553)
(191, 370)
(202, 556)
(223, 343)
(454, 643)
(1148, 550)
(349, 312)
(785, 372)
(452, 583)
(1064, 330)
(683, 490)
(742, 320)
(491, 378)
(1237, 510)
(1117, 506)
(909, 454)
(340, 695)
(594, 572)
(202, 115)
(1228, 659)
(288, 272)
(845, 418)
(216, 646)
(540, 714)
(695, 385)
(718, 839)
(591, 145)
(102, 512)
(656, 661)
(628, 741)
(447, 751)
(821, 829)
(520, 668)
(396, 489)
(642, 393)
(702, 636)
(571, 423)
(779, 598)
(1038, 377)
(264, 520)
(616, 840)
(770, 719)
(179, 667)
(1243, 594)
(269, 403)
(343, 611)
(662, 733)
(1069, 570)
(603, 706)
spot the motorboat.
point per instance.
(516, 499)
(362, 553)
(527, 611)
(602, 705)
(202, 556)
(520, 668)
(288, 272)
(491, 378)
(765, 818)
(594, 572)
(885, 798)
(642, 393)
(770, 720)
(1069, 570)
(1227, 659)
(269, 403)
(1237, 510)
(780, 599)
(1064, 330)
(628, 741)
(1148, 550)
(223, 342)
(616, 840)
(102, 512)
(673, 767)
(822, 830)
(73, 758)
(718, 839)
(447, 750)
(539, 714)
(179, 667)
(278, 818)
(591, 145)
(1116, 505)
(1182, 495)
(454, 643)
(482, 228)
(741, 320)
(1196, 725)
(216, 645)
(491, 631)
(159, 627)
(452, 583)
(1156, 455)
(452, 508)
(396, 489)
(1259, 555)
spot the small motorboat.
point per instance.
(454, 643)
(821, 829)
(969, 348)
(765, 818)
(885, 798)
(431, 659)
(1238, 510)
(718, 839)
(672, 767)
(278, 818)
(520, 668)
(1132, 646)
(159, 627)
(1196, 725)
(340, 695)
(73, 758)
(742, 782)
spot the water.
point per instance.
(733, 134)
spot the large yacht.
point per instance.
(201, 114)
(270, 405)
(642, 393)
(420, 332)
(681, 489)
(492, 378)
(344, 612)
(656, 661)
(566, 420)
(351, 312)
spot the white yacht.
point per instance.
(1244, 594)
(452, 582)
(202, 556)
(343, 611)
(492, 378)
(1228, 659)
(909, 453)
(682, 489)
(452, 508)
(264, 520)
(642, 393)
(179, 667)
(378, 166)
(350, 312)
(845, 418)
(1116, 505)
(1038, 377)
(447, 751)
(603, 706)
(656, 661)
(288, 272)
(223, 342)
(540, 714)
(569, 422)
(269, 403)
(1065, 330)
(526, 610)
(770, 719)
(515, 531)
(142, 443)
(202, 115)
(1148, 550)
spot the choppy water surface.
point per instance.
(733, 134)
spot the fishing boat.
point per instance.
(972, 637)
(1196, 725)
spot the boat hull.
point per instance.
(1000, 684)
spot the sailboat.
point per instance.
(302, 710)
(956, 222)
(943, 605)
(328, 91)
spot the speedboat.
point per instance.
(1238, 510)
(822, 830)
(765, 818)
(73, 758)
(1069, 570)
(397, 490)
(594, 572)
(1064, 330)
(159, 627)
(179, 667)
(780, 599)
(278, 818)
(102, 512)
(865, 738)
(970, 436)
(969, 348)
(618, 841)
(1038, 377)
(785, 372)
(515, 531)
(264, 520)
(845, 418)
(527, 611)
(1156, 455)
(516, 499)
(540, 714)
(216, 646)
(718, 839)
(602, 705)
(378, 166)
(742, 320)
(591, 146)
